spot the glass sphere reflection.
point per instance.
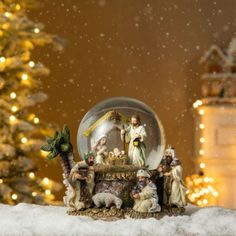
(104, 123)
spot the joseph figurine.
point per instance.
(135, 135)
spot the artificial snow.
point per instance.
(26, 219)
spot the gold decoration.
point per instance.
(113, 213)
(110, 115)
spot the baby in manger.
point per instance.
(104, 157)
(116, 153)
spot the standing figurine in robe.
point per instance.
(81, 184)
(174, 187)
(135, 135)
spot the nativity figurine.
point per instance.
(101, 150)
(145, 194)
(135, 135)
(174, 188)
(81, 184)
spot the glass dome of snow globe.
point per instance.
(122, 127)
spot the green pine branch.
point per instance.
(58, 144)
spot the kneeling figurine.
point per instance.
(145, 194)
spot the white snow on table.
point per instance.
(26, 219)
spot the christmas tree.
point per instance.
(22, 132)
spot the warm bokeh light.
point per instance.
(47, 191)
(2, 59)
(200, 190)
(7, 14)
(14, 109)
(32, 175)
(12, 95)
(36, 120)
(197, 104)
(36, 30)
(24, 140)
(31, 64)
(24, 76)
(46, 180)
(201, 152)
(14, 196)
(12, 118)
(202, 140)
(202, 165)
(201, 126)
(18, 6)
(201, 112)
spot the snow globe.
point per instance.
(124, 168)
(104, 123)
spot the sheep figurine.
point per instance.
(106, 199)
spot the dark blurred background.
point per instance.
(145, 49)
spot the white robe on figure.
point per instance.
(178, 188)
(101, 154)
(73, 193)
(148, 201)
(136, 155)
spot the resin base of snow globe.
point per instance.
(125, 170)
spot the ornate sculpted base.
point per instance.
(114, 214)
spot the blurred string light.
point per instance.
(31, 64)
(12, 95)
(202, 165)
(202, 140)
(14, 196)
(2, 59)
(201, 152)
(12, 118)
(18, 7)
(36, 30)
(201, 191)
(24, 76)
(197, 104)
(32, 175)
(47, 191)
(201, 112)
(14, 109)
(24, 140)
(36, 120)
(33, 118)
(46, 180)
(201, 126)
(7, 14)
